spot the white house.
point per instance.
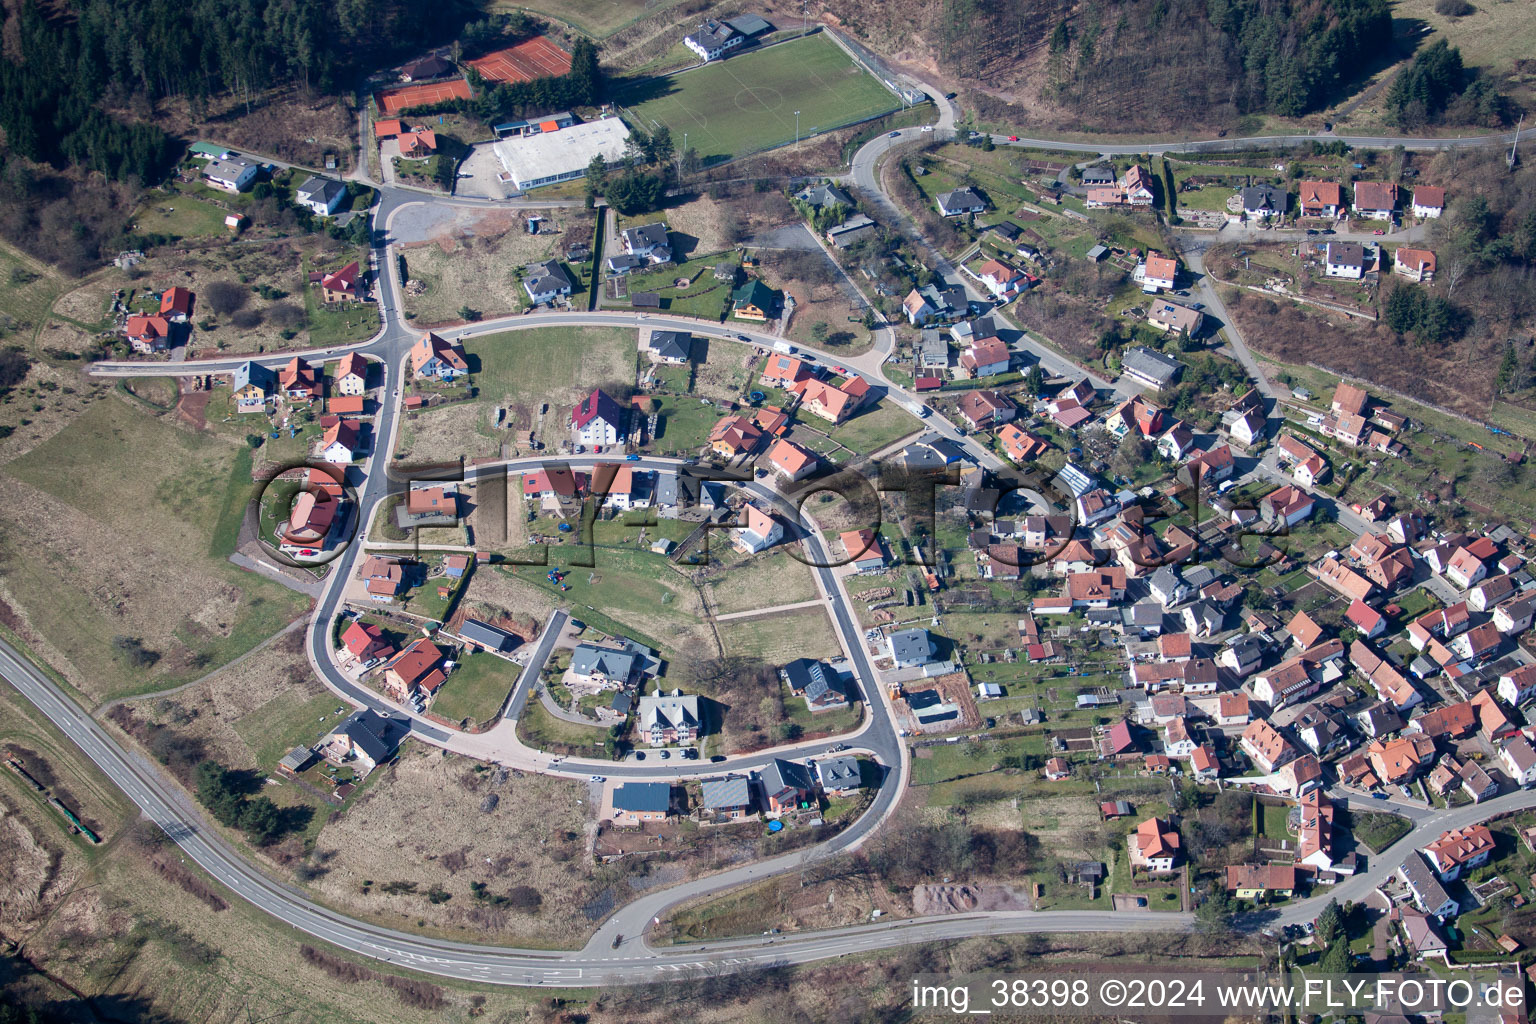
(597, 419)
(340, 441)
(546, 282)
(1518, 686)
(352, 375)
(1518, 760)
(762, 531)
(320, 196)
(1428, 201)
(1344, 259)
(713, 40)
(961, 201)
(231, 173)
(911, 647)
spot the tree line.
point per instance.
(1437, 86)
(63, 65)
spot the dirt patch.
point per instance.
(437, 435)
(192, 409)
(962, 899)
(473, 259)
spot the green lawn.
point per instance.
(140, 553)
(476, 689)
(27, 292)
(342, 323)
(1378, 830)
(762, 581)
(288, 721)
(705, 297)
(180, 216)
(779, 639)
(874, 428)
(746, 104)
(684, 425)
(540, 729)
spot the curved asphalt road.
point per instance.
(612, 958)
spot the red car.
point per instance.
(1378, 231)
(1013, 138)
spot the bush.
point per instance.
(1454, 8)
(224, 297)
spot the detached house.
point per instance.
(960, 201)
(1344, 259)
(597, 420)
(985, 409)
(1264, 745)
(320, 196)
(352, 375)
(1261, 202)
(1428, 201)
(1376, 200)
(252, 385)
(648, 242)
(341, 285)
(1154, 846)
(759, 530)
(1159, 272)
(1458, 850)
(985, 357)
(790, 461)
(147, 334)
(1414, 264)
(434, 358)
(299, 381)
(1173, 318)
(546, 282)
(176, 305)
(755, 301)
(1321, 198)
(231, 173)
(664, 718)
(340, 441)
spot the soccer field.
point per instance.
(747, 103)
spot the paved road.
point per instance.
(610, 959)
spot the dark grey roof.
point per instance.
(1007, 228)
(825, 195)
(749, 24)
(323, 189)
(850, 230)
(548, 276)
(730, 791)
(960, 199)
(1421, 879)
(254, 373)
(1098, 175)
(712, 34)
(622, 702)
(371, 733)
(666, 488)
(1259, 198)
(671, 344)
(1167, 580)
(911, 645)
(646, 236)
(588, 660)
(486, 635)
(427, 67)
(1200, 576)
(642, 796)
(297, 758)
(780, 774)
(1151, 364)
(838, 772)
(803, 672)
(1145, 613)
(1346, 254)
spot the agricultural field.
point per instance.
(536, 375)
(126, 609)
(747, 104)
(476, 261)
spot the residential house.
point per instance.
(1151, 367)
(790, 461)
(1137, 185)
(816, 682)
(432, 357)
(852, 231)
(726, 799)
(365, 645)
(985, 357)
(1174, 318)
(1320, 731)
(862, 549)
(1285, 506)
(1518, 759)
(635, 803)
(1428, 201)
(1204, 764)
(1458, 850)
(1428, 894)
(1154, 846)
(299, 381)
(231, 173)
(1338, 577)
(1345, 260)
(674, 348)
(911, 648)
(320, 196)
(1264, 745)
(1261, 202)
(839, 776)
(1159, 272)
(754, 300)
(365, 739)
(1020, 445)
(1420, 933)
(1389, 683)
(545, 282)
(147, 334)
(959, 202)
(417, 144)
(1378, 720)
(1376, 200)
(734, 435)
(666, 718)
(786, 785)
(1414, 264)
(759, 531)
(982, 409)
(597, 420)
(1400, 760)
(1518, 686)
(341, 285)
(382, 577)
(339, 442)
(1002, 280)
(252, 386)
(1314, 835)
(1366, 619)
(648, 242)
(834, 403)
(1465, 568)
(415, 672)
(1321, 198)
(785, 372)
(1515, 615)
(485, 637)
(176, 304)
(1261, 881)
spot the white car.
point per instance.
(596, 778)
(927, 127)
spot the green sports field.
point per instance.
(747, 103)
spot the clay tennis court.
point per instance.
(392, 101)
(539, 57)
